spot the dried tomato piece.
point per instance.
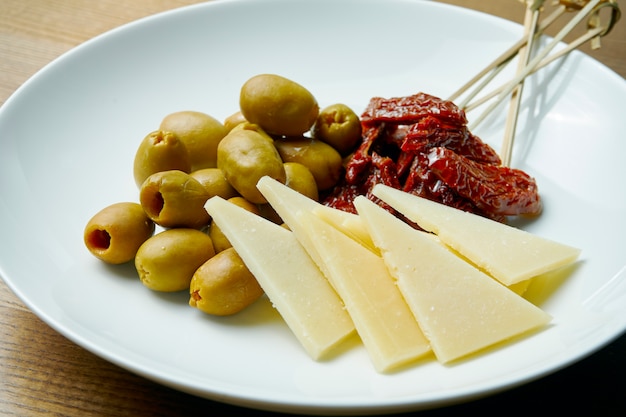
(384, 172)
(494, 189)
(411, 109)
(421, 144)
(360, 160)
(342, 195)
(431, 132)
(381, 139)
(381, 170)
(424, 183)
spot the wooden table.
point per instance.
(42, 373)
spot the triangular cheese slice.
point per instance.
(382, 318)
(519, 287)
(294, 284)
(460, 309)
(349, 223)
(508, 254)
(287, 201)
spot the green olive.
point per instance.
(324, 162)
(220, 241)
(116, 232)
(215, 182)
(167, 261)
(174, 199)
(280, 106)
(339, 126)
(245, 156)
(300, 178)
(255, 128)
(160, 151)
(233, 120)
(199, 132)
(223, 285)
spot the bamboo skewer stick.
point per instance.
(509, 54)
(591, 34)
(594, 32)
(530, 27)
(533, 29)
(535, 61)
(486, 79)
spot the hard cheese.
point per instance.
(349, 223)
(287, 201)
(382, 318)
(460, 309)
(291, 280)
(508, 254)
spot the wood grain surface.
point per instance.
(44, 374)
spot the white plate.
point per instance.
(68, 137)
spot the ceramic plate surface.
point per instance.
(67, 143)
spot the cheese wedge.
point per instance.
(460, 309)
(508, 254)
(348, 223)
(519, 287)
(287, 201)
(352, 225)
(388, 329)
(294, 284)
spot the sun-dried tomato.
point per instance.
(421, 144)
(381, 170)
(431, 132)
(494, 189)
(411, 109)
(360, 160)
(423, 182)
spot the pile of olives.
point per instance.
(278, 131)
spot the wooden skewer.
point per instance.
(535, 61)
(507, 55)
(530, 28)
(594, 32)
(591, 34)
(486, 79)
